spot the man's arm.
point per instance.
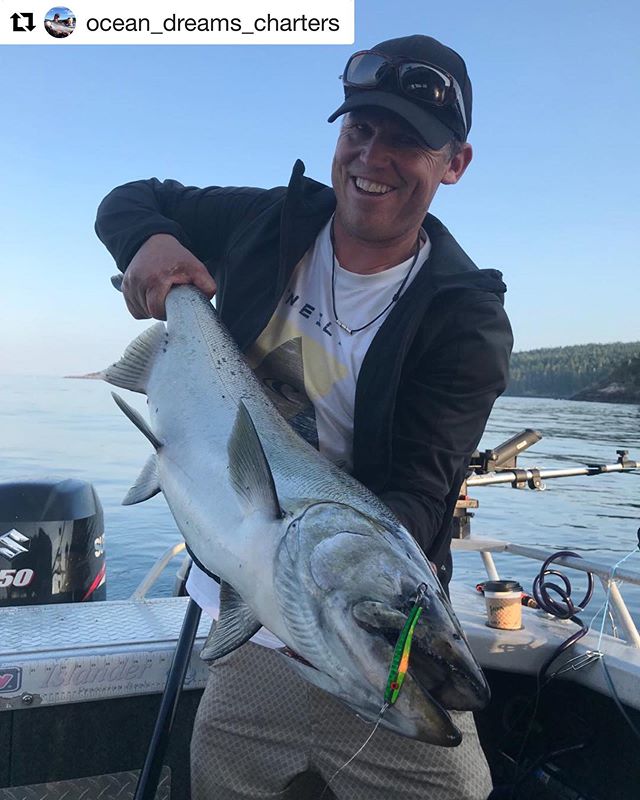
(163, 233)
(443, 405)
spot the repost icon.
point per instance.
(22, 22)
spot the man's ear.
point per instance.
(458, 165)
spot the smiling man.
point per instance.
(381, 343)
(384, 178)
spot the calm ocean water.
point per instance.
(51, 427)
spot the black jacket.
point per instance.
(432, 372)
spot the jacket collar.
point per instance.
(306, 201)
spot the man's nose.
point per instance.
(375, 151)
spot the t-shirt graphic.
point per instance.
(282, 374)
(296, 370)
(306, 362)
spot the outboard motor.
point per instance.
(51, 543)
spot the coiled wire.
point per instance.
(556, 600)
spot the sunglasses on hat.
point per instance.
(420, 81)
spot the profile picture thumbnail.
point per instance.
(59, 22)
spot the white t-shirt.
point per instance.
(309, 366)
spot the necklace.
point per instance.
(395, 297)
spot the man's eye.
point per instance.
(407, 141)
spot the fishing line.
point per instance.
(605, 609)
(397, 673)
(566, 610)
(616, 699)
(358, 751)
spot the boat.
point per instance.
(81, 682)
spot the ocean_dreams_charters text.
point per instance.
(175, 24)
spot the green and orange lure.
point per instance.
(400, 660)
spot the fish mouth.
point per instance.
(415, 715)
(440, 661)
(453, 686)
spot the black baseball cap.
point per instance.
(436, 125)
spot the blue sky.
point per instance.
(551, 197)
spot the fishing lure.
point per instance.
(397, 673)
(400, 660)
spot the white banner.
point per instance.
(183, 22)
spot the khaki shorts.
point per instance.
(259, 725)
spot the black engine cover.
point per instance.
(51, 543)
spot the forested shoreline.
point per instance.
(599, 372)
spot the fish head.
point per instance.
(364, 584)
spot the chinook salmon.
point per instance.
(300, 546)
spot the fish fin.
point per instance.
(235, 626)
(137, 420)
(132, 371)
(147, 485)
(248, 466)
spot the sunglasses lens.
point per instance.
(423, 83)
(365, 70)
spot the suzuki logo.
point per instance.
(13, 543)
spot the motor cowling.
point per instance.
(51, 543)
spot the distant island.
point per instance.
(608, 373)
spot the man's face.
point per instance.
(383, 176)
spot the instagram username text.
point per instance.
(175, 24)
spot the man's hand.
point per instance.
(161, 262)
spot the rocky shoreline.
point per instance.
(610, 392)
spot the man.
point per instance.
(381, 343)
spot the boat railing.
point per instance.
(609, 576)
(156, 570)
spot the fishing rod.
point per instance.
(150, 774)
(499, 466)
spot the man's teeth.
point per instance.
(370, 186)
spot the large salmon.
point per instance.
(300, 546)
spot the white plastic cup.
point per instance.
(504, 605)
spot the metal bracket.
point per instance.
(578, 662)
(521, 480)
(622, 456)
(535, 481)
